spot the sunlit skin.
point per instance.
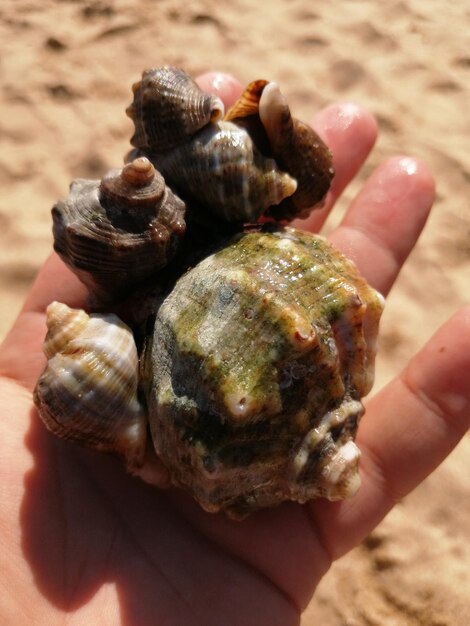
(84, 543)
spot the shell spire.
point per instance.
(119, 231)
(169, 107)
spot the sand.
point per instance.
(66, 68)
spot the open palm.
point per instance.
(84, 543)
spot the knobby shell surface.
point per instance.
(88, 391)
(255, 370)
(258, 341)
(116, 232)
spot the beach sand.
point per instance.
(66, 68)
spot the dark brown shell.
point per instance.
(169, 107)
(258, 160)
(119, 231)
(296, 147)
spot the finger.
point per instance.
(223, 85)
(55, 281)
(21, 355)
(384, 221)
(350, 132)
(408, 430)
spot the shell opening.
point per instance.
(273, 112)
(217, 109)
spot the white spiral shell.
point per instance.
(89, 389)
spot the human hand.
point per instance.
(84, 542)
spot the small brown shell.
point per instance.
(295, 146)
(221, 168)
(169, 107)
(119, 231)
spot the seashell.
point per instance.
(88, 391)
(255, 370)
(258, 157)
(223, 171)
(119, 231)
(255, 360)
(168, 108)
(295, 146)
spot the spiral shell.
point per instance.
(257, 341)
(88, 391)
(295, 146)
(221, 168)
(254, 374)
(119, 231)
(258, 157)
(168, 108)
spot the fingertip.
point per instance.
(406, 171)
(347, 121)
(220, 84)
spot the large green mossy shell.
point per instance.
(255, 370)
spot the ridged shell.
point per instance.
(259, 157)
(169, 107)
(295, 146)
(255, 370)
(117, 232)
(88, 391)
(221, 168)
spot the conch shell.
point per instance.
(236, 168)
(116, 232)
(255, 369)
(88, 391)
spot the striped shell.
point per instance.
(258, 158)
(116, 232)
(222, 170)
(168, 108)
(88, 391)
(255, 371)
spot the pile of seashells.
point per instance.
(248, 345)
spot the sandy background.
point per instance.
(65, 73)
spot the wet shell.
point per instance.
(221, 168)
(258, 157)
(119, 231)
(88, 391)
(295, 146)
(169, 107)
(255, 371)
